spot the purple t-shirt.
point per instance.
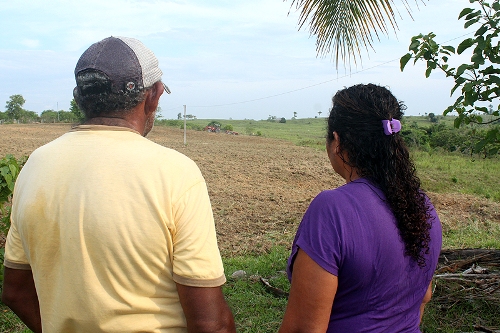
(351, 232)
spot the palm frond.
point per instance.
(345, 27)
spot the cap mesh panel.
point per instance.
(151, 73)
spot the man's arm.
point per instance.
(205, 309)
(311, 298)
(19, 294)
(427, 298)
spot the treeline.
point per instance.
(15, 113)
(466, 140)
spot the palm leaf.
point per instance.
(345, 27)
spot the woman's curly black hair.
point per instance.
(356, 116)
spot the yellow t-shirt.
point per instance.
(108, 221)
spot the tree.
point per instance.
(48, 116)
(479, 79)
(79, 116)
(319, 113)
(179, 116)
(158, 115)
(343, 27)
(14, 107)
(432, 118)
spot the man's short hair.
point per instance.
(113, 74)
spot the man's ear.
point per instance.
(153, 97)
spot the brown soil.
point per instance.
(259, 187)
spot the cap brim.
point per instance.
(166, 88)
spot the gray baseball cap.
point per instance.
(129, 64)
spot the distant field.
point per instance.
(439, 171)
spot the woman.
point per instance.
(365, 253)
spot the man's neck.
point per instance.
(110, 121)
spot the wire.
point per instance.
(307, 87)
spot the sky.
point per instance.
(222, 59)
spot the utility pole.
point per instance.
(184, 125)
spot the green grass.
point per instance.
(254, 308)
(443, 172)
(303, 132)
(257, 310)
(9, 322)
(473, 234)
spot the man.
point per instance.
(110, 231)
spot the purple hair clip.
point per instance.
(391, 126)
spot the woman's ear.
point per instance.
(337, 142)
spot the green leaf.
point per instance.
(472, 15)
(13, 170)
(428, 72)
(477, 58)
(493, 151)
(455, 88)
(404, 60)
(464, 12)
(481, 31)
(464, 45)
(493, 134)
(449, 48)
(461, 69)
(4, 170)
(448, 110)
(471, 22)
(414, 45)
(9, 181)
(480, 145)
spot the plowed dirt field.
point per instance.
(259, 187)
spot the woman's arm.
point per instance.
(427, 298)
(311, 297)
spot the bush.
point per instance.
(192, 126)
(228, 127)
(9, 170)
(415, 137)
(170, 122)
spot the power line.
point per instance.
(307, 87)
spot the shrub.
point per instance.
(9, 170)
(228, 127)
(192, 126)
(170, 122)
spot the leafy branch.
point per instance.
(479, 79)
